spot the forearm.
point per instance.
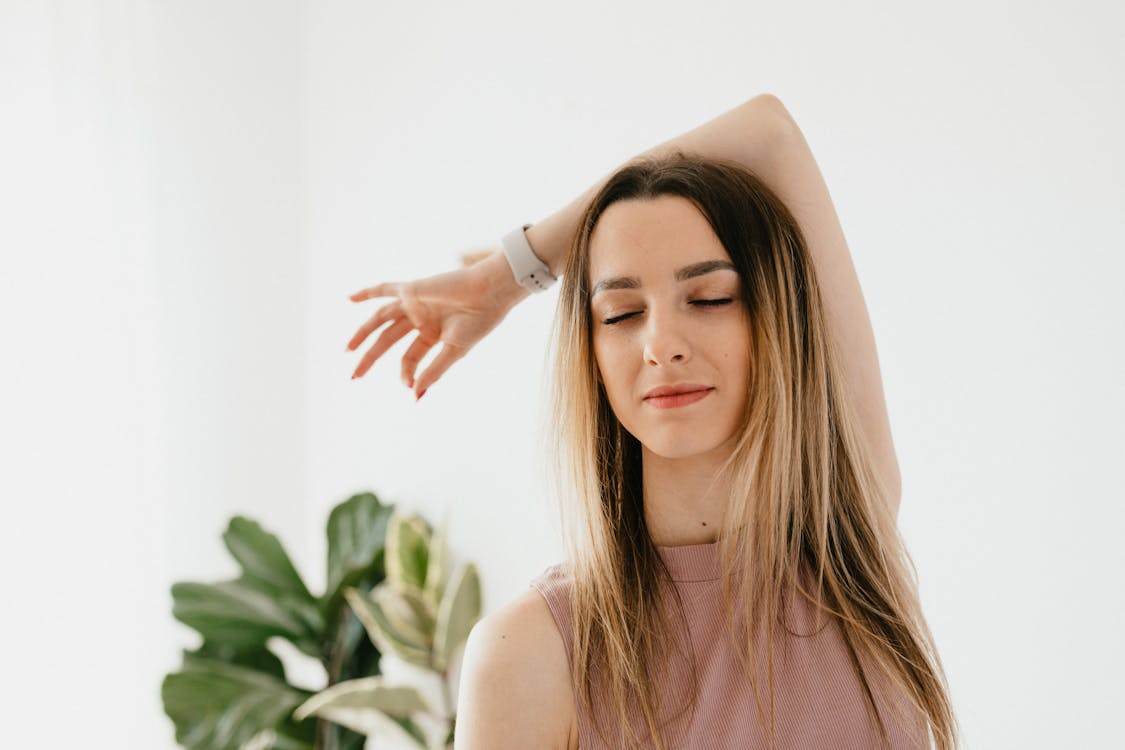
(744, 134)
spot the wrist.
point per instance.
(501, 282)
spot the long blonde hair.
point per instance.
(804, 494)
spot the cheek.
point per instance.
(604, 359)
(612, 369)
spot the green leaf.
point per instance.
(305, 611)
(239, 615)
(260, 659)
(459, 611)
(435, 570)
(370, 706)
(402, 617)
(269, 739)
(219, 706)
(342, 738)
(353, 649)
(408, 541)
(357, 530)
(383, 633)
(369, 692)
(378, 726)
(412, 730)
(424, 613)
(263, 740)
(264, 562)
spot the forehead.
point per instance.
(651, 239)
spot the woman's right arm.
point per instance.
(458, 308)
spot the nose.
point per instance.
(666, 341)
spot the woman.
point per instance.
(724, 433)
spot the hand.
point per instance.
(456, 308)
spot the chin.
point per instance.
(679, 448)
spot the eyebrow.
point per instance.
(682, 274)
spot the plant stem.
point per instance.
(322, 728)
(449, 708)
(333, 665)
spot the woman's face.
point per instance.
(667, 310)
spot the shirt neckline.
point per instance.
(690, 563)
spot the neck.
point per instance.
(684, 503)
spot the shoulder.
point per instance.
(515, 689)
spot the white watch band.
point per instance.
(525, 264)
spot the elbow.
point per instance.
(768, 108)
(768, 99)
(773, 104)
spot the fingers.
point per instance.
(441, 362)
(386, 340)
(414, 354)
(401, 325)
(381, 316)
(386, 289)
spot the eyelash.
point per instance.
(704, 302)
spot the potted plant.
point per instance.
(386, 592)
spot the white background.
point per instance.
(189, 191)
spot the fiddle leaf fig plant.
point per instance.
(419, 615)
(231, 693)
(386, 593)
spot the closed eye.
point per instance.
(701, 302)
(619, 318)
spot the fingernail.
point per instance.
(420, 395)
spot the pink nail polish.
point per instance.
(420, 395)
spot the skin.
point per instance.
(671, 339)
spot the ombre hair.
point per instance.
(806, 513)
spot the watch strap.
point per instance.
(529, 270)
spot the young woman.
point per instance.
(736, 578)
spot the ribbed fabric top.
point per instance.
(691, 563)
(818, 699)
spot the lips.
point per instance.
(675, 390)
(679, 399)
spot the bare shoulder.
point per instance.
(515, 689)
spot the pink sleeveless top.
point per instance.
(818, 699)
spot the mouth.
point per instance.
(677, 400)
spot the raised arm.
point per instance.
(792, 172)
(458, 308)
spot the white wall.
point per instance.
(153, 327)
(190, 191)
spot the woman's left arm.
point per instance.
(794, 175)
